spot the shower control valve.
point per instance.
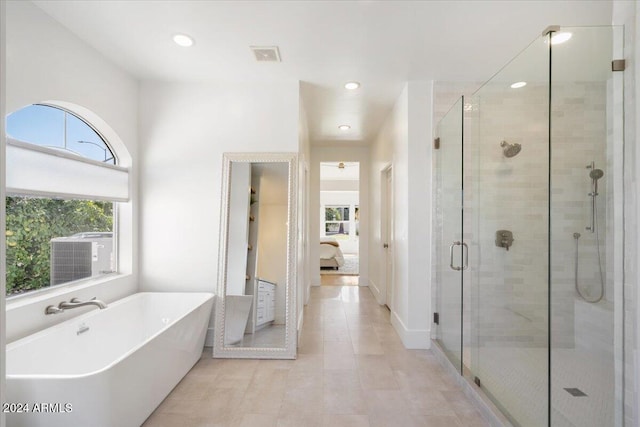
(504, 239)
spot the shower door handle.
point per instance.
(466, 256)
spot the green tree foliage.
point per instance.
(33, 222)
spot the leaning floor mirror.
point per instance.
(256, 303)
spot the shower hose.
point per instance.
(576, 236)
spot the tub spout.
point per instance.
(75, 302)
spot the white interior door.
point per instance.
(388, 236)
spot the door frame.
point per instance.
(386, 232)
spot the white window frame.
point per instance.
(121, 198)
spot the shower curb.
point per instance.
(489, 412)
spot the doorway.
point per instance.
(387, 233)
(339, 223)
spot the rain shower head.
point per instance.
(596, 174)
(510, 150)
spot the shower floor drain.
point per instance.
(576, 392)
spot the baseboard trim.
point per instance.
(300, 324)
(414, 339)
(376, 292)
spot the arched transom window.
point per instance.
(63, 186)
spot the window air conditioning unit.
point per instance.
(80, 256)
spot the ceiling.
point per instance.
(381, 44)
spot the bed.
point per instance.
(330, 253)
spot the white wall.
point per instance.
(420, 184)
(46, 62)
(304, 147)
(392, 132)
(335, 153)
(184, 129)
(405, 142)
(626, 13)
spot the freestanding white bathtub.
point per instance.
(116, 372)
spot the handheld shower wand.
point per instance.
(595, 175)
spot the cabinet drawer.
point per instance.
(266, 287)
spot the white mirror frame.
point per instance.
(290, 347)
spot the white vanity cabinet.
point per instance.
(266, 301)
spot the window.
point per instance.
(58, 129)
(336, 221)
(63, 185)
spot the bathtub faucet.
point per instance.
(75, 302)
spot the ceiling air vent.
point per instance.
(266, 53)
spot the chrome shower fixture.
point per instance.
(510, 150)
(595, 175)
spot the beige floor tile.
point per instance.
(473, 420)
(339, 361)
(308, 363)
(313, 347)
(387, 401)
(341, 379)
(338, 347)
(375, 372)
(173, 420)
(191, 388)
(346, 401)
(338, 335)
(258, 400)
(428, 402)
(302, 401)
(299, 420)
(393, 419)
(351, 370)
(367, 346)
(258, 420)
(436, 421)
(304, 379)
(269, 380)
(344, 420)
(219, 402)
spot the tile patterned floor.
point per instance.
(352, 370)
(339, 280)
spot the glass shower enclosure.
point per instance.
(529, 232)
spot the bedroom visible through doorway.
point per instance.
(339, 223)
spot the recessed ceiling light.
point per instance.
(344, 127)
(183, 40)
(351, 85)
(558, 38)
(517, 85)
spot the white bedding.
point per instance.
(329, 251)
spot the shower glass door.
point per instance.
(450, 264)
(586, 228)
(533, 312)
(506, 180)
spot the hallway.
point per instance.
(352, 370)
